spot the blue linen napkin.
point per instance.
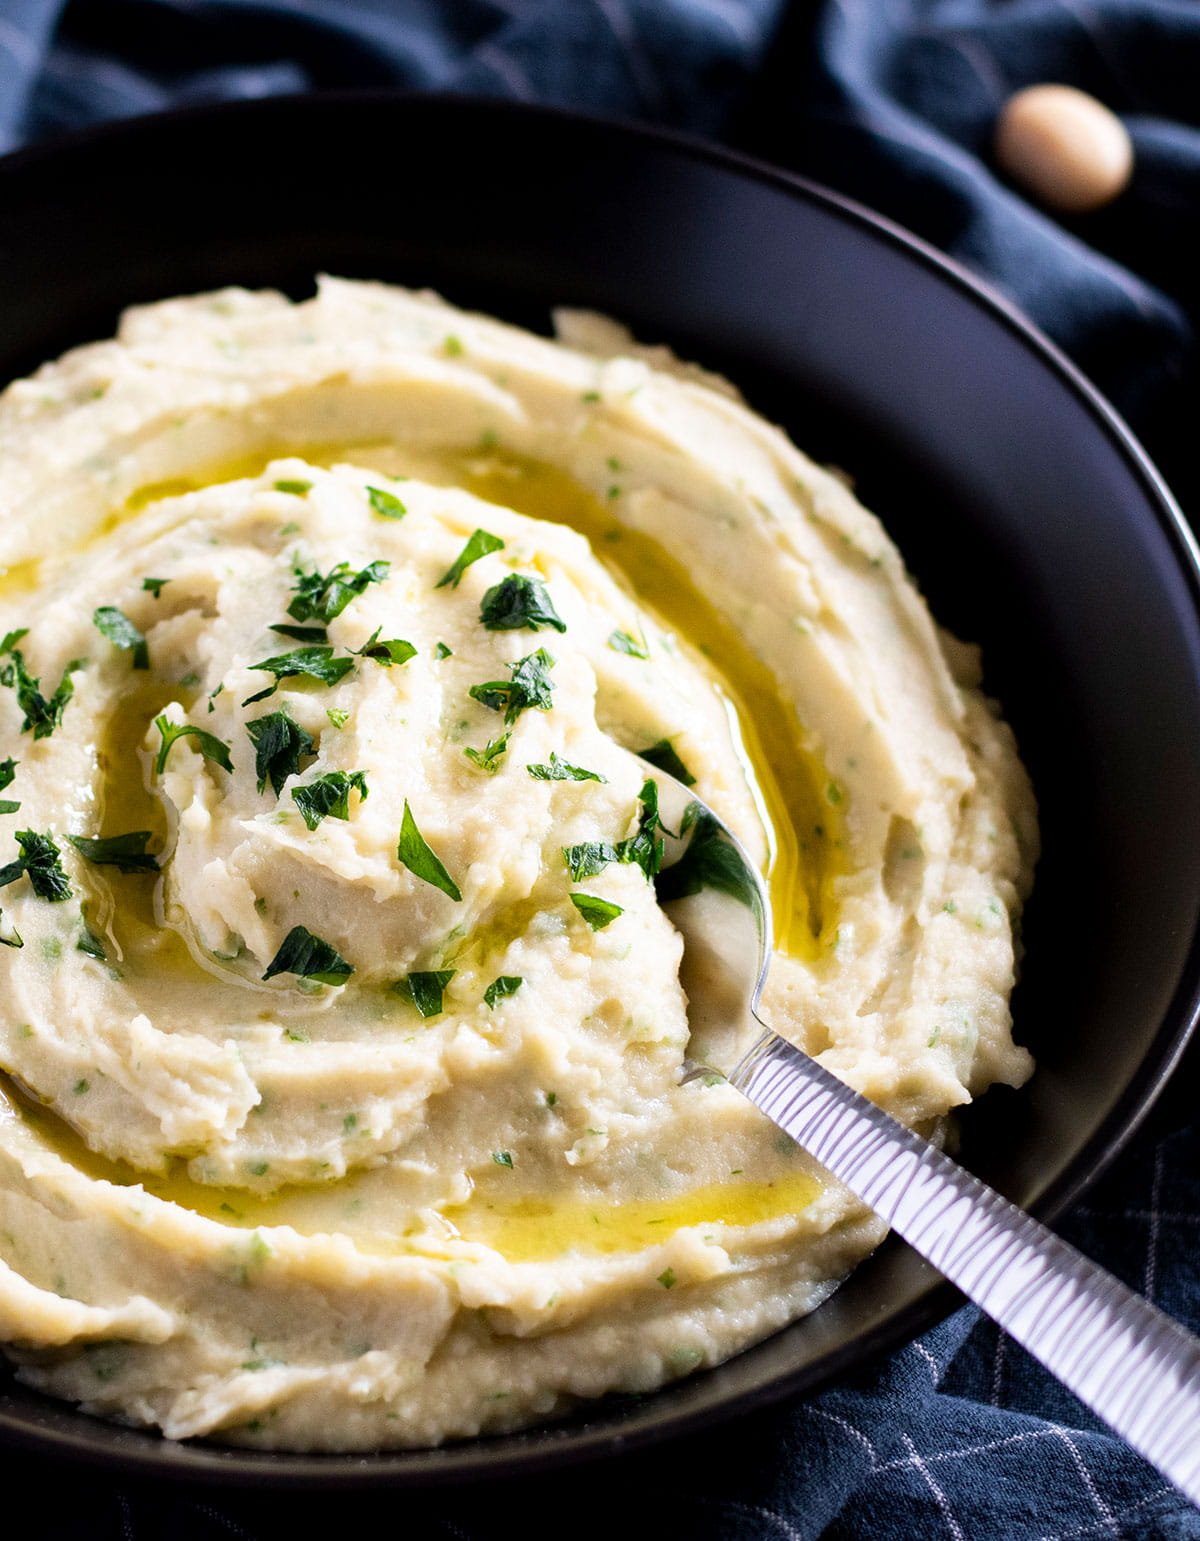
(961, 1434)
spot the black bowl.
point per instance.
(1027, 512)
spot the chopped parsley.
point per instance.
(8, 769)
(386, 504)
(424, 989)
(155, 586)
(530, 686)
(297, 488)
(622, 642)
(89, 942)
(442, 651)
(414, 853)
(39, 861)
(314, 663)
(309, 957)
(643, 849)
(518, 603)
(452, 346)
(596, 911)
(329, 796)
(41, 715)
(562, 770)
(9, 935)
(488, 759)
(663, 757)
(316, 634)
(506, 984)
(121, 632)
(503, 1158)
(710, 861)
(321, 597)
(480, 544)
(211, 747)
(125, 852)
(385, 653)
(667, 1278)
(279, 744)
(337, 716)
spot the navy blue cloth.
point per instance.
(960, 1435)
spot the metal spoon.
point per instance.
(1133, 1366)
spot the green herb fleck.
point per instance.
(39, 861)
(479, 545)
(488, 759)
(530, 686)
(337, 716)
(452, 346)
(588, 858)
(155, 586)
(80, 1087)
(596, 911)
(385, 653)
(309, 634)
(386, 504)
(121, 632)
(317, 663)
(323, 596)
(208, 744)
(424, 989)
(503, 1158)
(667, 1278)
(279, 744)
(442, 651)
(518, 603)
(329, 796)
(622, 642)
(297, 488)
(41, 715)
(562, 770)
(419, 858)
(309, 957)
(8, 770)
(11, 937)
(663, 757)
(125, 852)
(551, 1099)
(506, 984)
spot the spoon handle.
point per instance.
(1132, 1365)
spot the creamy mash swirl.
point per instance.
(341, 1030)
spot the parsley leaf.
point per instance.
(417, 856)
(211, 747)
(518, 603)
(530, 686)
(588, 858)
(385, 653)
(596, 911)
(424, 989)
(279, 743)
(622, 642)
(479, 545)
(308, 956)
(155, 586)
(8, 769)
(316, 663)
(562, 770)
(121, 632)
(386, 504)
(337, 716)
(667, 1278)
(710, 861)
(324, 597)
(489, 759)
(506, 984)
(39, 861)
(297, 488)
(663, 757)
(329, 796)
(316, 634)
(125, 852)
(41, 715)
(89, 942)
(442, 651)
(503, 1158)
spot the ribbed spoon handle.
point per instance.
(1133, 1366)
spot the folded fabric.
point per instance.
(961, 1434)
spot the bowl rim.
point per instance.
(510, 1456)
